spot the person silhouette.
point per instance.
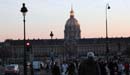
(89, 66)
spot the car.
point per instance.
(12, 69)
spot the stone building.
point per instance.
(71, 46)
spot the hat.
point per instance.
(90, 55)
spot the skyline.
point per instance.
(51, 15)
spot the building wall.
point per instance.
(60, 50)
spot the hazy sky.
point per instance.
(46, 15)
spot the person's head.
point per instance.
(55, 63)
(90, 55)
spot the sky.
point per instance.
(44, 16)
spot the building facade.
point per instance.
(71, 46)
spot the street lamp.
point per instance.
(51, 35)
(24, 11)
(107, 48)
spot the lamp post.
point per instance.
(24, 11)
(107, 48)
(51, 35)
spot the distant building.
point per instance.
(71, 45)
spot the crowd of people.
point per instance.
(90, 66)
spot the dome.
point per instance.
(72, 27)
(72, 21)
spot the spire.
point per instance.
(71, 12)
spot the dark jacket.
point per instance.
(89, 67)
(55, 70)
(71, 69)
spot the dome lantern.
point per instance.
(71, 12)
